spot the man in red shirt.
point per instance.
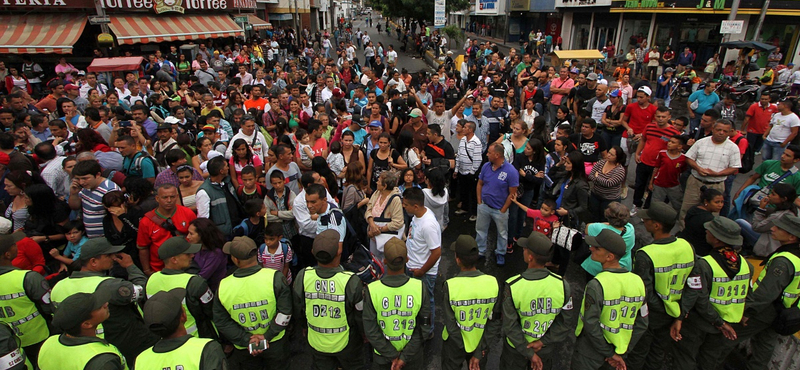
(637, 116)
(653, 140)
(756, 121)
(167, 220)
(256, 101)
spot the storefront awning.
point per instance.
(40, 33)
(142, 29)
(258, 23)
(280, 17)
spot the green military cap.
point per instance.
(98, 247)
(395, 254)
(659, 212)
(176, 245)
(789, 223)
(77, 308)
(326, 246)
(537, 243)
(610, 241)
(465, 246)
(162, 309)
(726, 230)
(240, 247)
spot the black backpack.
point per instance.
(749, 158)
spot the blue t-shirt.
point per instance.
(73, 251)
(145, 171)
(594, 267)
(704, 102)
(358, 135)
(496, 183)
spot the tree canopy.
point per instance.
(415, 9)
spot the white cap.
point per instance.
(645, 90)
(5, 226)
(171, 120)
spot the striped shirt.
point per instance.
(276, 260)
(468, 158)
(93, 210)
(656, 139)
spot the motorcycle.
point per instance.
(744, 93)
(682, 88)
(777, 90)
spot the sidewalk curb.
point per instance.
(430, 59)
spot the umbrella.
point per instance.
(748, 44)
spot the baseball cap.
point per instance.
(789, 223)
(725, 229)
(81, 73)
(465, 246)
(164, 126)
(375, 123)
(5, 225)
(592, 76)
(162, 309)
(175, 98)
(98, 247)
(669, 69)
(395, 254)
(338, 93)
(209, 127)
(175, 246)
(615, 94)
(356, 118)
(659, 212)
(416, 112)
(240, 247)
(172, 120)
(326, 246)
(610, 241)
(68, 87)
(77, 308)
(574, 70)
(537, 243)
(645, 90)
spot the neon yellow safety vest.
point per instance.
(537, 302)
(397, 309)
(328, 330)
(160, 282)
(672, 264)
(55, 356)
(791, 292)
(185, 357)
(250, 301)
(17, 356)
(727, 295)
(19, 311)
(70, 286)
(623, 296)
(472, 300)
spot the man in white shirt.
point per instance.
(396, 82)
(601, 103)
(52, 172)
(327, 92)
(247, 78)
(782, 130)
(391, 55)
(91, 83)
(306, 227)
(351, 51)
(255, 140)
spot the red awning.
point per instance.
(40, 33)
(258, 23)
(142, 29)
(120, 64)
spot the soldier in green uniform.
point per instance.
(165, 315)
(779, 281)
(24, 299)
(12, 356)
(664, 266)
(79, 348)
(714, 299)
(396, 313)
(252, 305)
(471, 313)
(177, 255)
(536, 308)
(125, 327)
(614, 311)
(327, 303)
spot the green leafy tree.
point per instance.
(421, 10)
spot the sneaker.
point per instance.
(460, 212)
(501, 260)
(473, 218)
(634, 210)
(757, 153)
(510, 248)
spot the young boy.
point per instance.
(276, 252)
(279, 202)
(250, 189)
(670, 163)
(543, 217)
(253, 226)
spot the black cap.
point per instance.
(162, 309)
(77, 308)
(610, 241)
(98, 247)
(163, 126)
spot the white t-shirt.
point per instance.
(795, 79)
(782, 126)
(424, 236)
(391, 56)
(443, 121)
(598, 108)
(351, 53)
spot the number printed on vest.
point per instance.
(321, 310)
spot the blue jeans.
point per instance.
(694, 122)
(516, 216)
(750, 236)
(429, 281)
(486, 215)
(756, 140)
(726, 196)
(772, 150)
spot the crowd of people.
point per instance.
(199, 214)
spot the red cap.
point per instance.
(4, 159)
(71, 87)
(337, 93)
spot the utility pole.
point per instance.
(727, 37)
(297, 21)
(761, 20)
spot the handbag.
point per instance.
(566, 237)
(755, 199)
(787, 322)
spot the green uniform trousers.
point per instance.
(453, 356)
(698, 349)
(416, 362)
(512, 360)
(586, 357)
(274, 358)
(351, 357)
(762, 340)
(650, 351)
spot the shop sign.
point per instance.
(439, 17)
(487, 6)
(705, 5)
(163, 6)
(158, 6)
(519, 6)
(734, 27)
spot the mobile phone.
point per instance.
(125, 124)
(260, 346)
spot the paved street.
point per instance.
(405, 60)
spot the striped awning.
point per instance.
(258, 23)
(40, 33)
(142, 29)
